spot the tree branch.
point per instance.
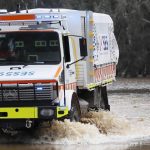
(145, 20)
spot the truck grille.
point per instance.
(37, 91)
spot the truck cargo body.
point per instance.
(47, 58)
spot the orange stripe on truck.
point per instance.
(17, 17)
(58, 71)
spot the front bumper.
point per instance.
(31, 110)
(40, 112)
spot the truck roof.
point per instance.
(45, 10)
(70, 20)
(103, 18)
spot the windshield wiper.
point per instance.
(12, 62)
(51, 62)
(46, 62)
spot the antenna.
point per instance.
(18, 8)
(59, 5)
(36, 2)
(26, 7)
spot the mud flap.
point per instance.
(100, 100)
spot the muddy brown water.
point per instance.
(125, 127)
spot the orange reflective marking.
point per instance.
(57, 72)
(17, 17)
(70, 86)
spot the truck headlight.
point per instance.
(46, 112)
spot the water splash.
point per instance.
(107, 122)
(95, 128)
(69, 133)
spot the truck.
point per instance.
(49, 60)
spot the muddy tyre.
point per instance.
(75, 112)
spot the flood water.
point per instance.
(125, 127)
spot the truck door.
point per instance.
(70, 71)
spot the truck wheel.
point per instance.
(75, 112)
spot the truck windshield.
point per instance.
(29, 48)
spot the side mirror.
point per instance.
(83, 47)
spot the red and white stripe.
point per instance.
(70, 86)
(105, 72)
